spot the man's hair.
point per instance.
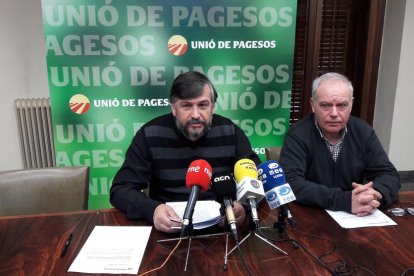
(329, 77)
(190, 85)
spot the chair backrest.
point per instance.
(45, 190)
(273, 153)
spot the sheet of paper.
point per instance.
(206, 212)
(347, 220)
(112, 249)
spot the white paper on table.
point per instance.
(112, 249)
(206, 212)
(347, 220)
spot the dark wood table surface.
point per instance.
(31, 245)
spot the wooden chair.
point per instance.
(273, 153)
(45, 190)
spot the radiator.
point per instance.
(34, 124)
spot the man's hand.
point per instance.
(365, 199)
(239, 213)
(166, 220)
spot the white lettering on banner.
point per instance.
(254, 44)
(247, 100)
(233, 100)
(128, 102)
(80, 133)
(273, 99)
(153, 75)
(100, 186)
(80, 15)
(86, 76)
(153, 102)
(145, 16)
(234, 17)
(259, 150)
(96, 45)
(223, 44)
(219, 44)
(104, 103)
(262, 127)
(94, 158)
(247, 74)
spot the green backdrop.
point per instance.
(111, 64)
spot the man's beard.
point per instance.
(192, 134)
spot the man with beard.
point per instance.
(162, 150)
(335, 161)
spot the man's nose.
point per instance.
(195, 113)
(334, 111)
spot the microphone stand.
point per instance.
(254, 227)
(190, 237)
(280, 225)
(226, 248)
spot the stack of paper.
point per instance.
(206, 212)
(347, 220)
(112, 249)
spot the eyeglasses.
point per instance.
(399, 212)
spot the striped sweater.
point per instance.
(159, 156)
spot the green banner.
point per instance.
(111, 64)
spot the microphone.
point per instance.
(249, 188)
(224, 189)
(277, 191)
(197, 179)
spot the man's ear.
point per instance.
(174, 112)
(312, 104)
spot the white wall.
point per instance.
(394, 113)
(22, 69)
(402, 133)
(388, 71)
(23, 75)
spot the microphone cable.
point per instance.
(411, 269)
(236, 240)
(242, 259)
(304, 248)
(166, 260)
(341, 267)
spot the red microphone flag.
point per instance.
(199, 173)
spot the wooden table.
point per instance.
(31, 245)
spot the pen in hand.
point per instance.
(66, 246)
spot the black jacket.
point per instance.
(317, 180)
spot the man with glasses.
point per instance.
(162, 150)
(334, 160)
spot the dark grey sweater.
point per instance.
(159, 156)
(318, 181)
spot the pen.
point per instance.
(66, 246)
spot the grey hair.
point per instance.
(328, 77)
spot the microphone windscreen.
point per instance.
(243, 168)
(199, 173)
(271, 175)
(223, 186)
